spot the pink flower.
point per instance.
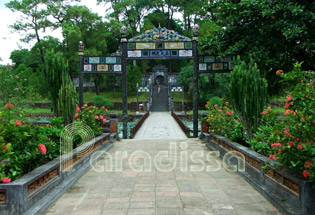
(207, 120)
(78, 109)
(76, 115)
(271, 156)
(227, 103)
(6, 180)
(297, 139)
(96, 117)
(18, 123)
(232, 112)
(104, 121)
(215, 105)
(279, 151)
(306, 174)
(228, 113)
(269, 108)
(90, 111)
(42, 148)
(275, 144)
(206, 105)
(291, 143)
(287, 112)
(263, 113)
(82, 107)
(103, 107)
(101, 117)
(278, 72)
(289, 97)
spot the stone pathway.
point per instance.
(173, 185)
(160, 125)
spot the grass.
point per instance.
(37, 110)
(116, 96)
(177, 97)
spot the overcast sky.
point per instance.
(10, 41)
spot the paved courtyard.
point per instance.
(161, 176)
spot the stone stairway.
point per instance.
(160, 100)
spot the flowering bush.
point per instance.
(25, 146)
(222, 120)
(294, 144)
(92, 116)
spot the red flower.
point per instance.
(4, 147)
(209, 131)
(90, 111)
(287, 112)
(104, 121)
(289, 97)
(76, 115)
(42, 148)
(306, 174)
(228, 113)
(263, 113)
(271, 156)
(308, 164)
(286, 133)
(206, 105)
(106, 110)
(297, 139)
(291, 143)
(9, 106)
(215, 105)
(78, 109)
(275, 144)
(82, 107)
(269, 108)
(101, 117)
(6, 180)
(227, 103)
(96, 117)
(103, 107)
(278, 72)
(18, 123)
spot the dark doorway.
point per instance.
(159, 80)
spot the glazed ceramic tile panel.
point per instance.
(134, 53)
(94, 60)
(185, 53)
(174, 45)
(88, 68)
(111, 60)
(145, 45)
(117, 68)
(202, 66)
(102, 68)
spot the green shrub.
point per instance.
(216, 101)
(100, 101)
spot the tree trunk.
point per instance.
(41, 53)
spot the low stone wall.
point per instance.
(184, 128)
(287, 192)
(36, 191)
(135, 129)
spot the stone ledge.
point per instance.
(36, 191)
(287, 192)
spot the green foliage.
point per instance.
(274, 34)
(216, 101)
(67, 99)
(20, 142)
(55, 66)
(100, 101)
(92, 116)
(222, 120)
(248, 95)
(134, 76)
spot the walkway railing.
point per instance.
(184, 128)
(136, 128)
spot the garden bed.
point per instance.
(287, 192)
(37, 190)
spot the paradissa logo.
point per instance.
(165, 161)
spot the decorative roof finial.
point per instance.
(123, 31)
(196, 31)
